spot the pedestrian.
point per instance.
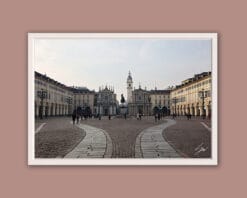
(137, 116)
(77, 118)
(140, 116)
(109, 117)
(73, 117)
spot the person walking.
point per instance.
(73, 117)
(77, 118)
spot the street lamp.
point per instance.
(202, 95)
(42, 95)
(69, 101)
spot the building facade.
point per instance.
(51, 97)
(84, 100)
(106, 102)
(140, 102)
(56, 99)
(160, 100)
(147, 102)
(193, 96)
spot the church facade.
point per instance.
(106, 102)
(146, 102)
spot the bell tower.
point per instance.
(129, 88)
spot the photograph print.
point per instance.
(122, 99)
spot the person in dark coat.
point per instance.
(155, 117)
(73, 117)
(140, 116)
(77, 118)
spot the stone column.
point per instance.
(207, 110)
(54, 109)
(35, 111)
(49, 110)
(44, 107)
(110, 110)
(191, 110)
(201, 111)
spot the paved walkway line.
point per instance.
(40, 127)
(206, 126)
(151, 144)
(96, 144)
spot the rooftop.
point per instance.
(196, 78)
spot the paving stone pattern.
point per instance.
(123, 133)
(96, 144)
(151, 144)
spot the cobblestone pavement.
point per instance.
(190, 138)
(194, 118)
(123, 133)
(151, 144)
(57, 137)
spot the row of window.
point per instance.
(82, 96)
(164, 96)
(51, 95)
(164, 102)
(197, 85)
(55, 88)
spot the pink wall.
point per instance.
(225, 17)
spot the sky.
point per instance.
(99, 62)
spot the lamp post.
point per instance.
(202, 96)
(42, 95)
(69, 101)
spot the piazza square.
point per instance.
(139, 127)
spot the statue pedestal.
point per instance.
(123, 109)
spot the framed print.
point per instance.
(122, 99)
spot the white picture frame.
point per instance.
(113, 161)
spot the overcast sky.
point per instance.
(97, 62)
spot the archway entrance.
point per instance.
(156, 110)
(164, 111)
(106, 111)
(140, 110)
